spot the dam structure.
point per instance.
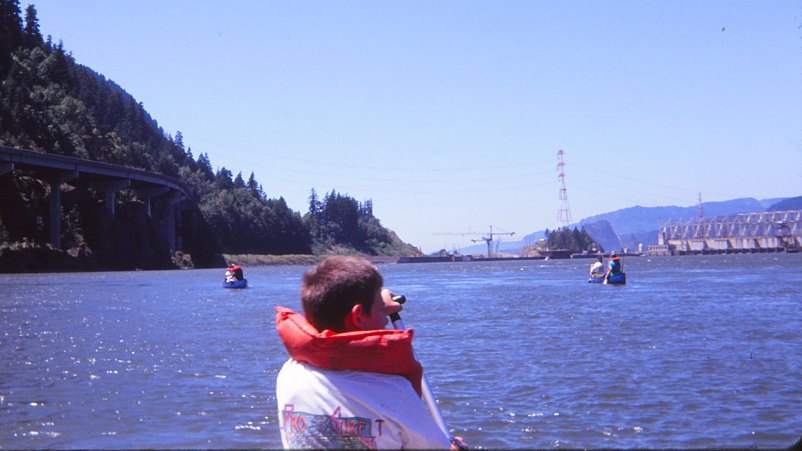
(770, 231)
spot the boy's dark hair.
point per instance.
(336, 284)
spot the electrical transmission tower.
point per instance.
(701, 208)
(564, 213)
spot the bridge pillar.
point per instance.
(170, 219)
(147, 194)
(55, 205)
(5, 168)
(109, 188)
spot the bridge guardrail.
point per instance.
(38, 159)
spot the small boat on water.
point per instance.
(243, 283)
(234, 277)
(618, 279)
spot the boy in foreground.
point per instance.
(349, 383)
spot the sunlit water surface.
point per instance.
(693, 352)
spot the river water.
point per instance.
(694, 352)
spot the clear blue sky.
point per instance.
(449, 114)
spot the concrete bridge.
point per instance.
(162, 194)
(771, 231)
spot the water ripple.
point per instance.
(519, 355)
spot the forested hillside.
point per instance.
(574, 240)
(50, 103)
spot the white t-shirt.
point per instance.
(345, 409)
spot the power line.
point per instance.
(319, 162)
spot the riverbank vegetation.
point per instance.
(574, 240)
(564, 240)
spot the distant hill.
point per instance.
(639, 225)
(631, 226)
(642, 219)
(793, 203)
(604, 234)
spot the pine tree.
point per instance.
(366, 209)
(253, 187)
(314, 204)
(32, 35)
(10, 33)
(239, 182)
(179, 141)
(223, 179)
(60, 72)
(205, 166)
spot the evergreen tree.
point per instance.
(366, 209)
(253, 186)
(222, 180)
(10, 33)
(178, 141)
(239, 182)
(205, 166)
(32, 35)
(60, 70)
(314, 204)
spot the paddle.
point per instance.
(428, 397)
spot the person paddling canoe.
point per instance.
(614, 266)
(597, 269)
(234, 273)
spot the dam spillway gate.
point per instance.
(771, 231)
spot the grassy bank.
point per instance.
(272, 260)
(295, 259)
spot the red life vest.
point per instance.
(374, 351)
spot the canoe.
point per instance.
(618, 279)
(236, 284)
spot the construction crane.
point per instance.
(489, 240)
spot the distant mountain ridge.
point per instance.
(639, 225)
(792, 203)
(641, 219)
(636, 225)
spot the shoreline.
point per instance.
(255, 260)
(45, 259)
